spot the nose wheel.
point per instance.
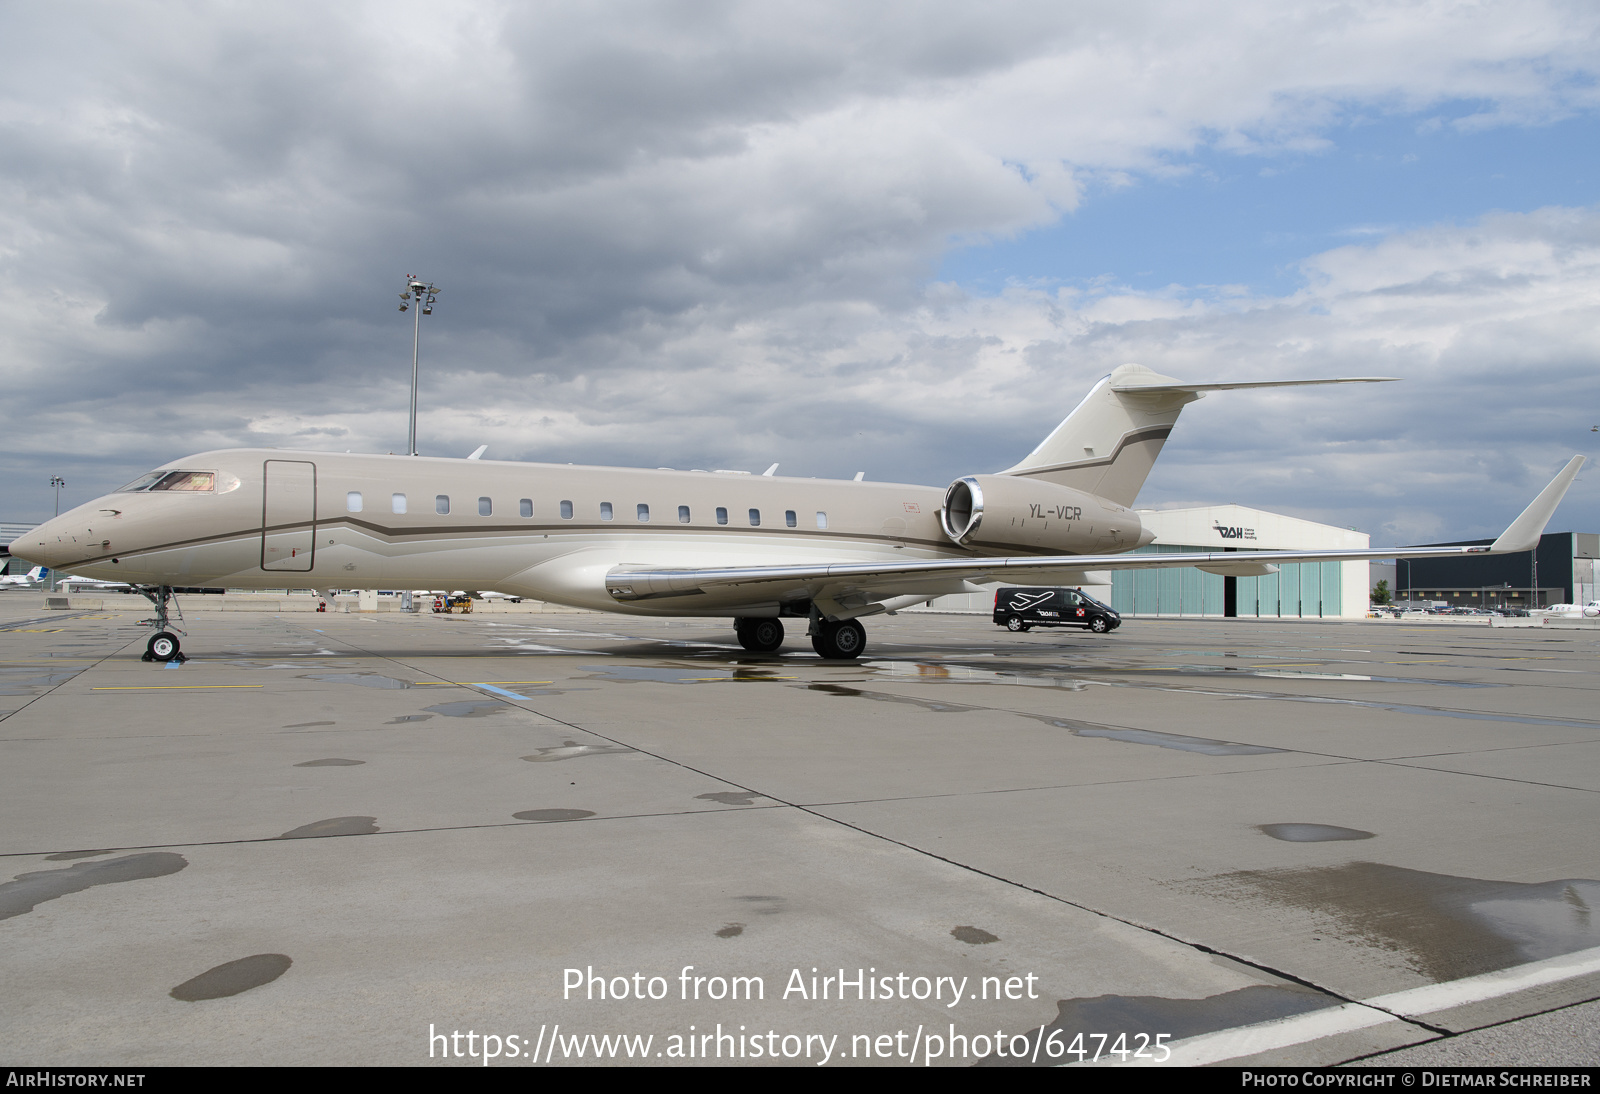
(163, 645)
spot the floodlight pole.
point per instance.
(58, 482)
(422, 295)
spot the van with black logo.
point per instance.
(1024, 609)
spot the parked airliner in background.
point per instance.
(756, 548)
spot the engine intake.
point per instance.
(1017, 513)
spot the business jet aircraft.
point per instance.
(30, 580)
(757, 548)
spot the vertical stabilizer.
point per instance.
(1110, 441)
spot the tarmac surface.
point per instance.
(403, 839)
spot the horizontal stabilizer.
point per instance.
(1524, 532)
(1155, 389)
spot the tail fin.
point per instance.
(1110, 441)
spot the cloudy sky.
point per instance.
(899, 238)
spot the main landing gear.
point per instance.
(759, 635)
(163, 645)
(838, 641)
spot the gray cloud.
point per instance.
(702, 235)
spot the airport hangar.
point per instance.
(1299, 590)
(1566, 574)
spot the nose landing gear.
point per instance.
(163, 645)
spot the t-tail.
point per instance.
(1110, 441)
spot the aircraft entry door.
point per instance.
(289, 516)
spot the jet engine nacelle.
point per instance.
(1006, 511)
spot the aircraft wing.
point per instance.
(881, 579)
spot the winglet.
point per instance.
(1524, 532)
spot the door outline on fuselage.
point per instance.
(301, 544)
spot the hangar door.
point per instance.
(289, 516)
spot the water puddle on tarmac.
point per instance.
(1134, 1017)
(334, 826)
(730, 797)
(973, 936)
(843, 692)
(652, 674)
(925, 672)
(27, 681)
(1443, 926)
(548, 816)
(571, 750)
(233, 977)
(21, 895)
(1312, 833)
(1205, 746)
(470, 708)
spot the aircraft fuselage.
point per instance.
(276, 519)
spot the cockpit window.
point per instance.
(190, 481)
(187, 481)
(143, 482)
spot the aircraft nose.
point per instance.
(52, 543)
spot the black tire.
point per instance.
(163, 646)
(759, 635)
(1015, 624)
(840, 641)
(1098, 625)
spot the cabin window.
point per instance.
(525, 507)
(352, 502)
(683, 514)
(566, 510)
(397, 503)
(722, 515)
(755, 518)
(790, 519)
(441, 505)
(605, 510)
(644, 512)
(485, 507)
(822, 520)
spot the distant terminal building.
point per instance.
(1567, 574)
(1299, 590)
